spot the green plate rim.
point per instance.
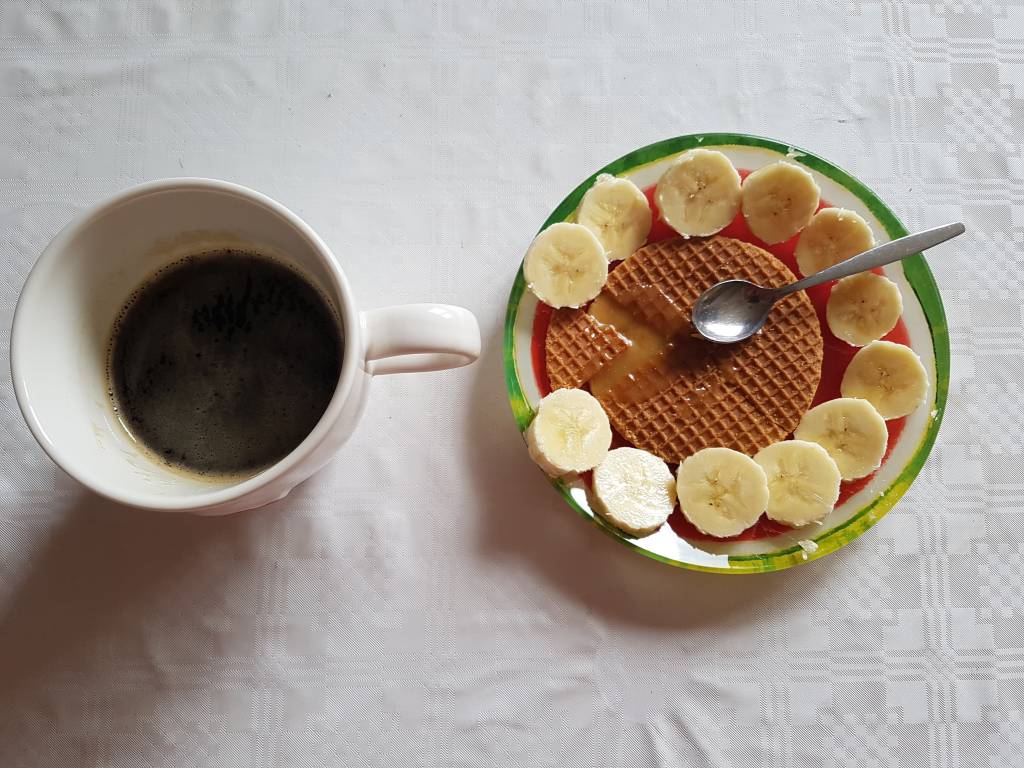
(915, 270)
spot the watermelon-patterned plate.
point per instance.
(766, 547)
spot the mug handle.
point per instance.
(419, 337)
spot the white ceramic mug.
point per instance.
(69, 303)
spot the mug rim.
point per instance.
(58, 248)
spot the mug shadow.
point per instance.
(105, 575)
(524, 517)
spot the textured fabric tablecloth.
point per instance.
(428, 600)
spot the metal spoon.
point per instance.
(737, 309)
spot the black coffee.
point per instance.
(224, 362)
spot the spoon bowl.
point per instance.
(732, 311)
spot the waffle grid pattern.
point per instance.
(578, 346)
(743, 396)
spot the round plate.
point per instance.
(922, 314)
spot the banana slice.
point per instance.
(570, 432)
(778, 201)
(700, 193)
(803, 481)
(634, 491)
(851, 430)
(863, 308)
(834, 235)
(617, 212)
(889, 376)
(565, 265)
(721, 491)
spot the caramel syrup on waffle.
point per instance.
(655, 355)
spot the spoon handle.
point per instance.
(877, 257)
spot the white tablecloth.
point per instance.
(428, 600)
